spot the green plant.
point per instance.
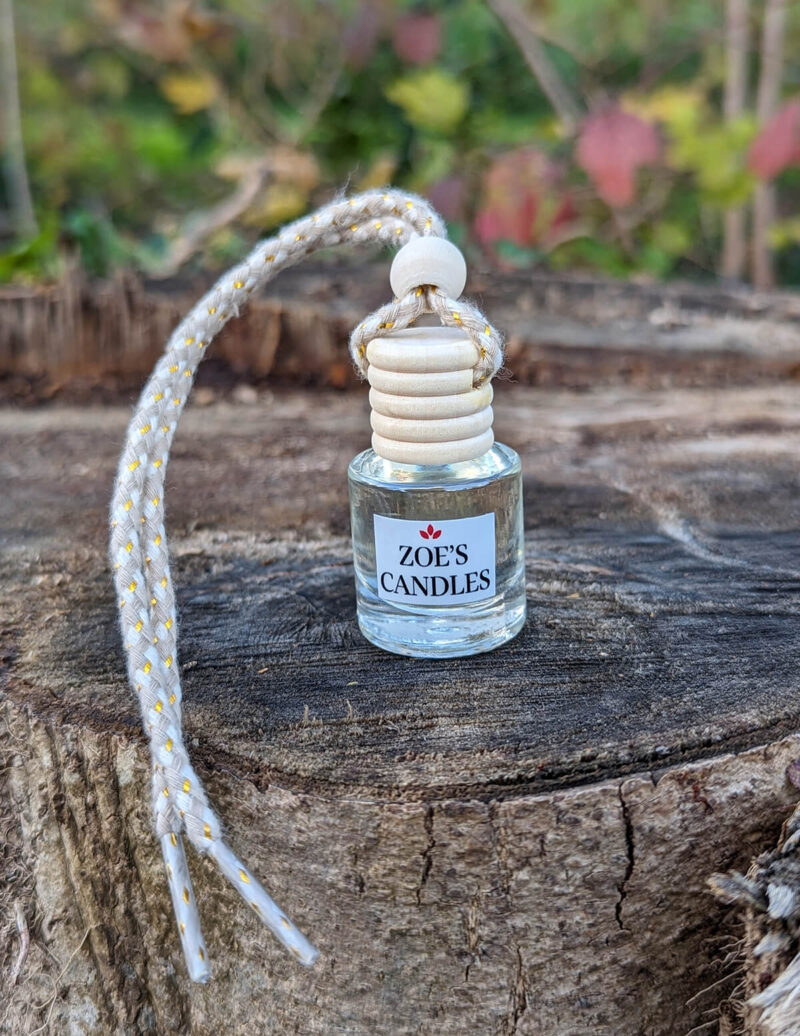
(567, 133)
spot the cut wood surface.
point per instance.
(513, 843)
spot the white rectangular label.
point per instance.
(435, 562)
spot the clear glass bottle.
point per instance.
(439, 553)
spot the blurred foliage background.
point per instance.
(653, 139)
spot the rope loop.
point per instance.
(402, 313)
(138, 540)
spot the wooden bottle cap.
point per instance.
(432, 453)
(458, 405)
(425, 408)
(446, 429)
(446, 349)
(420, 386)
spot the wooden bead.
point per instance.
(432, 452)
(423, 350)
(447, 429)
(445, 383)
(428, 260)
(458, 405)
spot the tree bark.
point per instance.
(513, 843)
(99, 341)
(769, 896)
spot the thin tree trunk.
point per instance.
(524, 33)
(734, 245)
(768, 94)
(23, 219)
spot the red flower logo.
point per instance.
(430, 533)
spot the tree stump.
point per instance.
(564, 330)
(513, 843)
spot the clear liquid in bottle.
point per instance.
(439, 553)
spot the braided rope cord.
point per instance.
(401, 313)
(138, 542)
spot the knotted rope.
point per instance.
(400, 313)
(138, 544)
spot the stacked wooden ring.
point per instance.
(424, 407)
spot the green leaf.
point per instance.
(189, 92)
(159, 143)
(110, 75)
(100, 246)
(36, 258)
(517, 256)
(431, 99)
(671, 237)
(716, 153)
(785, 232)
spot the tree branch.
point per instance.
(522, 31)
(734, 243)
(768, 94)
(254, 176)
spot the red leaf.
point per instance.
(161, 37)
(449, 197)
(430, 529)
(437, 534)
(523, 201)
(417, 38)
(360, 37)
(424, 534)
(612, 145)
(777, 145)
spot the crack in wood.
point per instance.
(427, 853)
(519, 998)
(69, 833)
(473, 941)
(630, 848)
